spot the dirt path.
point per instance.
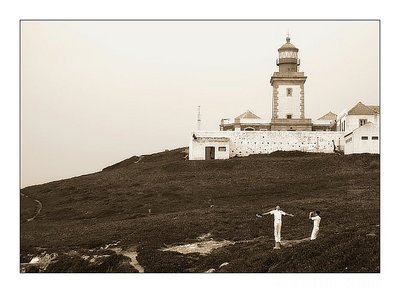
(290, 243)
(251, 240)
(38, 209)
(205, 244)
(202, 247)
(132, 254)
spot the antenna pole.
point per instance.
(198, 118)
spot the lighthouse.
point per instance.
(288, 92)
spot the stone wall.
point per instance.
(244, 143)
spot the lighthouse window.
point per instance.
(289, 91)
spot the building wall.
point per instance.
(323, 125)
(197, 147)
(291, 125)
(353, 121)
(289, 104)
(354, 144)
(243, 123)
(242, 127)
(244, 143)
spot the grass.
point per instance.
(191, 198)
(76, 264)
(28, 208)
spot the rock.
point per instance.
(224, 264)
(72, 253)
(45, 261)
(85, 257)
(35, 260)
(117, 249)
(204, 237)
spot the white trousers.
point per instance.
(314, 233)
(277, 231)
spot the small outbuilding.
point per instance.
(208, 148)
(364, 139)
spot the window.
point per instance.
(289, 116)
(364, 137)
(362, 122)
(289, 91)
(222, 149)
(374, 138)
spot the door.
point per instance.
(210, 153)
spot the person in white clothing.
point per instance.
(314, 216)
(277, 212)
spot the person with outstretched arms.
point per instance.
(277, 213)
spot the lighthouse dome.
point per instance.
(288, 46)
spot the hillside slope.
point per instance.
(164, 200)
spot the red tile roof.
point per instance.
(375, 108)
(248, 114)
(328, 116)
(361, 109)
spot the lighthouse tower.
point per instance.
(288, 92)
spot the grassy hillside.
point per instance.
(164, 200)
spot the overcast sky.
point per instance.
(95, 93)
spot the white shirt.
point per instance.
(277, 215)
(316, 220)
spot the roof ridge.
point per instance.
(329, 114)
(361, 109)
(248, 114)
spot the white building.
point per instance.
(247, 121)
(364, 139)
(208, 146)
(357, 116)
(288, 103)
(325, 123)
(289, 129)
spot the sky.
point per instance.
(94, 93)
